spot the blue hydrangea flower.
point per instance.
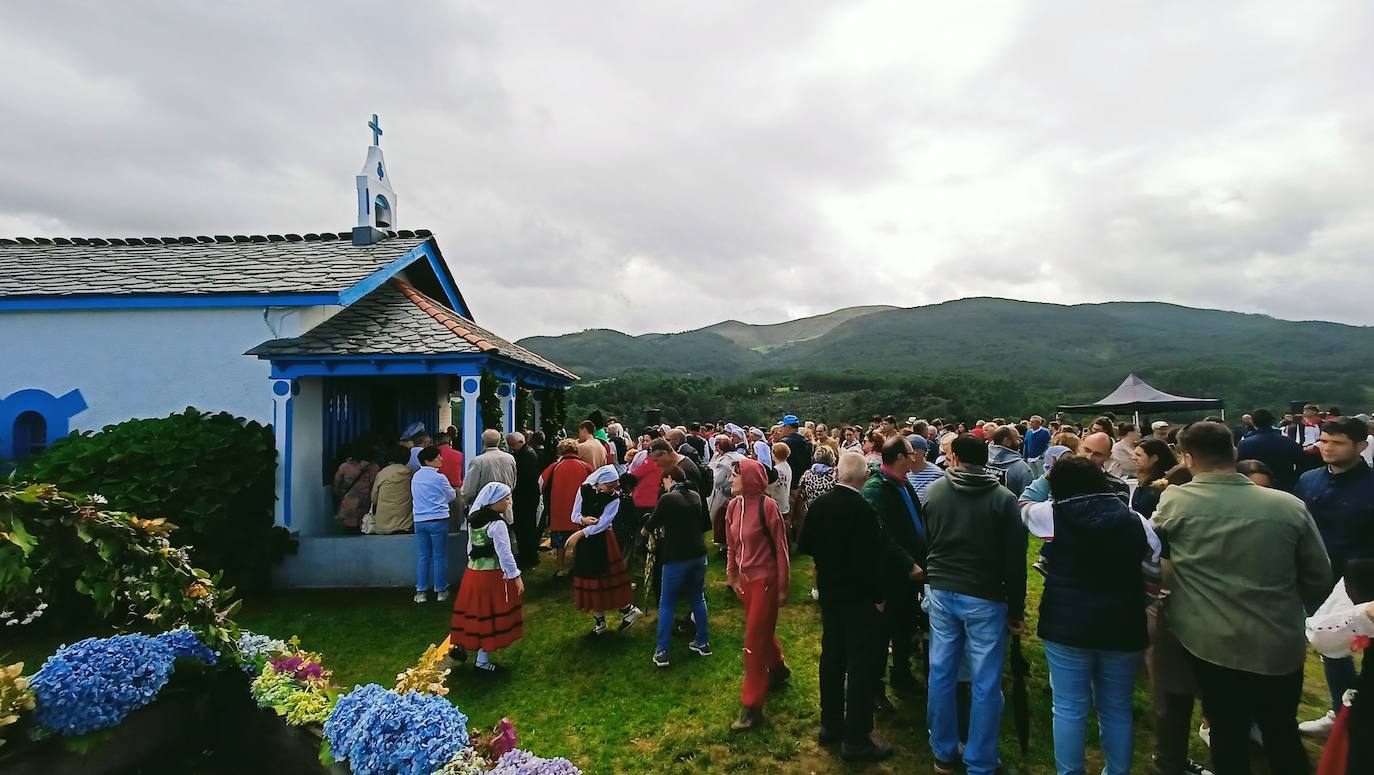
(185, 643)
(380, 732)
(97, 682)
(254, 649)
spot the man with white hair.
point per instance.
(855, 560)
(492, 465)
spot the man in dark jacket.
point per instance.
(1268, 445)
(1340, 496)
(525, 500)
(975, 594)
(899, 512)
(855, 560)
(799, 450)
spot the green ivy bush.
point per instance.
(212, 475)
(59, 549)
(489, 404)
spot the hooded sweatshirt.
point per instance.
(977, 542)
(1009, 468)
(754, 554)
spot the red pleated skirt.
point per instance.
(609, 590)
(488, 612)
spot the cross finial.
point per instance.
(376, 130)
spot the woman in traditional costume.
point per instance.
(488, 612)
(600, 581)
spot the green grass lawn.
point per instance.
(601, 703)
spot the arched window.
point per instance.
(30, 434)
(381, 212)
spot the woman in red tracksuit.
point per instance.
(758, 570)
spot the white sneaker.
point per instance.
(421, 597)
(1204, 733)
(441, 596)
(628, 620)
(1320, 727)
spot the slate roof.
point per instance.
(256, 264)
(397, 319)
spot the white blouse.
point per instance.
(1337, 621)
(499, 533)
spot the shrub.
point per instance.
(213, 475)
(60, 549)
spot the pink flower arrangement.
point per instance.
(301, 669)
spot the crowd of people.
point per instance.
(1213, 556)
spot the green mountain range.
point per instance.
(1055, 352)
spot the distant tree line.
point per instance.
(851, 396)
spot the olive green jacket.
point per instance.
(1248, 565)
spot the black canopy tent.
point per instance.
(1138, 397)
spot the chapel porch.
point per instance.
(393, 358)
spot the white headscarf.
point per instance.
(603, 475)
(491, 493)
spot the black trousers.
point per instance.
(526, 526)
(1233, 699)
(852, 645)
(903, 616)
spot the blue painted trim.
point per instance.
(357, 366)
(450, 286)
(286, 461)
(166, 301)
(57, 412)
(375, 280)
(380, 365)
(455, 299)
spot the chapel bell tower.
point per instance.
(376, 197)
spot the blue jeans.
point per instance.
(682, 579)
(1081, 679)
(964, 626)
(1340, 676)
(431, 555)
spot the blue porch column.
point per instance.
(283, 390)
(471, 388)
(507, 393)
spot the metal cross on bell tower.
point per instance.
(376, 127)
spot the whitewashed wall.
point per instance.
(140, 363)
(151, 363)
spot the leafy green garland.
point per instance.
(523, 407)
(553, 413)
(488, 403)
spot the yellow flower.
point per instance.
(197, 590)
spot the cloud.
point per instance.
(634, 166)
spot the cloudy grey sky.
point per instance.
(659, 167)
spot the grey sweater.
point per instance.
(977, 541)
